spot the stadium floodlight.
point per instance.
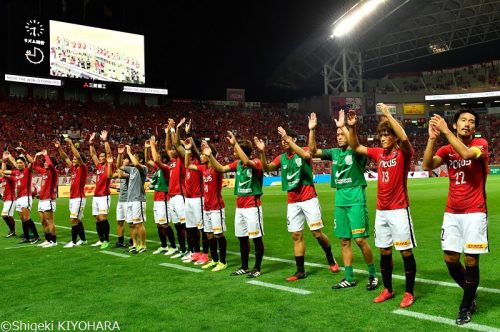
(354, 16)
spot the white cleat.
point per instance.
(178, 254)
(97, 244)
(171, 251)
(81, 243)
(43, 244)
(70, 244)
(51, 244)
(160, 250)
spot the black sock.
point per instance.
(162, 233)
(244, 251)
(13, 223)
(9, 223)
(74, 232)
(26, 230)
(54, 238)
(457, 272)
(46, 236)
(386, 271)
(81, 231)
(105, 229)
(190, 238)
(205, 242)
(32, 226)
(410, 272)
(299, 261)
(328, 253)
(223, 248)
(259, 252)
(196, 240)
(470, 285)
(98, 228)
(181, 235)
(170, 236)
(121, 239)
(213, 249)
(130, 242)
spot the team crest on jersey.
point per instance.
(298, 162)
(348, 159)
(172, 164)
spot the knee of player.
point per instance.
(471, 260)
(361, 242)
(317, 234)
(406, 253)
(345, 242)
(297, 236)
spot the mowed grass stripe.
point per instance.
(443, 320)
(279, 287)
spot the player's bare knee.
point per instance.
(386, 251)
(346, 243)
(361, 242)
(406, 253)
(471, 260)
(318, 234)
(297, 236)
(451, 257)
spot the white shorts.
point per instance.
(23, 202)
(466, 232)
(394, 227)
(160, 212)
(309, 211)
(177, 209)
(194, 213)
(215, 221)
(76, 207)
(249, 222)
(100, 205)
(47, 205)
(8, 208)
(121, 211)
(136, 212)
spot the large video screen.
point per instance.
(78, 51)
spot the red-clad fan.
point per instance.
(9, 200)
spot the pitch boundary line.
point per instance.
(180, 267)
(112, 253)
(443, 320)
(280, 287)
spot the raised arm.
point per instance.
(107, 147)
(147, 147)
(398, 129)
(109, 159)
(239, 151)
(188, 143)
(261, 147)
(92, 151)
(133, 159)
(169, 130)
(312, 124)
(119, 160)
(75, 151)
(154, 152)
(205, 149)
(63, 154)
(291, 143)
(177, 137)
(352, 140)
(431, 161)
(464, 151)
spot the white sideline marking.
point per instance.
(447, 321)
(180, 267)
(279, 287)
(283, 260)
(114, 253)
(20, 246)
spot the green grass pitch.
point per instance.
(82, 284)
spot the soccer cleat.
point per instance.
(178, 254)
(202, 260)
(334, 267)
(134, 250)
(254, 274)
(35, 240)
(473, 305)
(195, 256)
(118, 245)
(171, 251)
(344, 284)
(385, 295)
(25, 240)
(81, 243)
(463, 317)
(297, 276)
(408, 300)
(372, 283)
(141, 250)
(130, 249)
(104, 245)
(219, 267)
(160, 250)
(10, 234)
(70, 244)
(239, 272)
(50, 244)
(43, 244)
(97, 244)
(187, 256)
(210, 265)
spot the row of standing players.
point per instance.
(187, 187)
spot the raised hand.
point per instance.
(341, 121)
(91, 139)
(43, 152)
(188, 143)
(129, 149)
(282, 133)
(147, 144)
(68, 140)
(205, 149)
(109, 159)
(352, 118)
(6, 155)
(439, 123)
(384, 108)
(121, 148)
(104, 135)
(313, 121)
(187, 128)
(56, 143)
(171, 123)
(259, 144)
(181, 122)
(433, 131)
(152, 140)
(231, 139)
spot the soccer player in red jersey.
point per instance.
(102, 198)
(48, 195)
(393, 224)
(295, 164)
(9, 199)
(23, 175)
(213, 205)
(248, 219)
(77, 200)
(465, 221)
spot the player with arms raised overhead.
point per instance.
(393, 224)
(303, 205)
(351, 214)
(9, 199)
(465, 222)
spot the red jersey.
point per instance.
(161, 196)
(244, 202)
(50, 176)
(392, 168)
(102, 182)
(212, 188)
(467, 190)
(194, 181)
(9, 192)
(78, 179)
(299, 193)
(23, 182)
(177, 173)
